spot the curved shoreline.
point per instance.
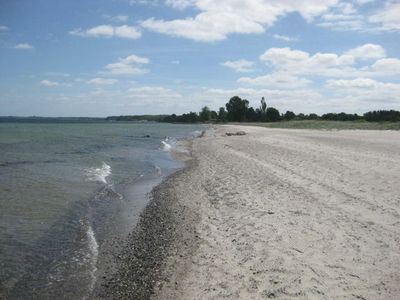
(159, 234)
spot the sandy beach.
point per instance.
(276, 213)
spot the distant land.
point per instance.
(35, 119)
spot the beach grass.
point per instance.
(329, 125)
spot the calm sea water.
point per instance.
(65, 191)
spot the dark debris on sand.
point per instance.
(235, 133)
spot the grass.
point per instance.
(329, 125)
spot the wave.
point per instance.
(166, 146)
(99, 174)
(93, 254)
(197, 133)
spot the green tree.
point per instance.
(262, 111)
(313, 116)
(251, 115)
(222, 115)
(237, 109)
(289, 115)
(273, 114)
(205, 114)
(263, 106)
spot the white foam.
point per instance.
(99, 174)
(197, 133)
(93, 254)
(166, 146)
(158, 170)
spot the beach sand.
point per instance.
(276, 213)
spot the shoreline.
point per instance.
(158, 234)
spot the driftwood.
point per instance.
(235, 133)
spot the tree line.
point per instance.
(238, 110)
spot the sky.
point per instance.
(119, 57)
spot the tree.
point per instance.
(237, 109)
(191, 117)
(300, 116)
(263, 106)
(205, 114)
(272, 114)
(313, 116)
(340, 117)
(289, 115)
(382, 115)
(251, 115)
(222, 115)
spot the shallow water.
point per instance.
(65, 189)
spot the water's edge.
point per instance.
(140, 262)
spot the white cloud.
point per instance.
(144, 2)
(130, 65)
(289, 67)
(345, 8)
(367, 51)
(282, 56)
(180, 4)
(343, 16)
(3, 28)
(387, 66)
(49, 83)
(329, 17)
(175, 62)
(277, 80)
(240, 65)
(345, 25)
(284, 38)
(154, 96)
(362, 2)
(348, 16)
(23, 46)
(388, 17)
(102, 81)
(286, 60)
(354, 83)
(109, 31)
(117, 18)
(218, 19)
(366, 90)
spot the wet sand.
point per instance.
(276, 214)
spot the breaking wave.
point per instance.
(166, 146)
(99, 174)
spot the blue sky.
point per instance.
(100, 58)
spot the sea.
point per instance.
(67, 191)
